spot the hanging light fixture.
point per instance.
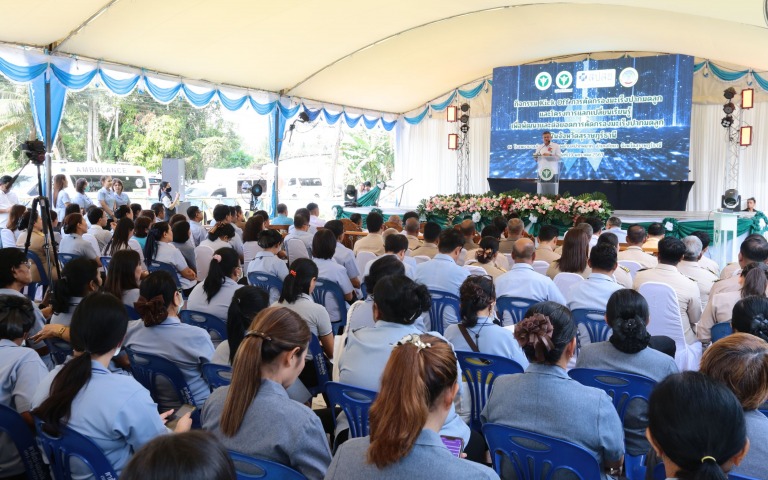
(745, 136)
(747, 98)
(453, 141)
(451, 113)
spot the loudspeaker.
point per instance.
(173, 172)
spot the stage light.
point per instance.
(453, 141)
(745, 136)
(731, 200)
(727, 121)
(464, 118)
(729, 93)
(747, 98)
(464, 128)
(728, 108)
(451, 113)
(350, 196)
(303, 117)
(465, 107)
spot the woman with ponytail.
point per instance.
(266, 260)
(254, 415)
(753, 280)
(79, 277)
(159, 247)
(750, 315)
(536, 401)
(75, 394)
(696, 425)
(160, 332)
(214, 295)
(628, 351)
(247, 302)
(122, 239)
(407, 417)
(486, 256)
(219, 236)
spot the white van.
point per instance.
(302, 187)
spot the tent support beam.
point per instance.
(57, 45)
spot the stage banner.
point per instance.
(621, 119)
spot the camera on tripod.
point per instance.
(35, 151)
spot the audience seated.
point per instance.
(431, 237)
(467, 228)
(219, 236)
(214, 295)
(671, 251)
(629, 350)
(301, 232)
(21, 370)
(124, 276)
(705, 261)
(314, 215)
(253, 227)
(740, 361)
(573, 258)
(690, 267)
(405, 428)
(141, 230)
(547, 240)
(123, 239)
(358, 219)
(159, 211)
(754, 249)
(395, 245)
(690, 447)
(594, 292)
(750, 315)
(373, 242)
(75, 394)
(98, 220)
(79, 277)
(621, 275)
(514, 231)
(501, 261)
(254, 415)
(36, 245)
(15, 275)
(14, 216)
(343, 255)
(613, 225)
(196, 228)
(223, 214)
(160, 332)
(597, 229)
(360, 314)
(267, 261)
(522, 280)
(72, 241)
(636, 236)
(247, 302)
(323, 249)
(282, 217)
(535, 400)
(158, 247)
(655, 234)
(181, 234)
(486, 255)
(412, 233)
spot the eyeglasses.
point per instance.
(27, 263)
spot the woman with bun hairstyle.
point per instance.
(696, 425)
(214, 294)
(750, 315)
(79, 277)
(406, 419)
(219, 236)
(360, 314)
(254, 415)
(266, 260)
(114, 411)
(536, 401)
(628, 351)
(160, 332)
(740, 361)
(486, 256)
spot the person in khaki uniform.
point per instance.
(655, 234)
(753, 249)
(468, 230)
(547, 241)
(690, 268)
(514, 231)
(636, 236)
(621, 274)
(374, 241)
(429, 247)
(671, 251)
(412, 233)
(705, 261)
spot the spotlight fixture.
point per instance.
(727, 121)
(747, 98)
(303, 117)
(350, 196)
(729, 93)
(464, 128)
(451, 113)
(745, 136)
(731, 200)
(464, 118)
(453, 141)
(465, 107)
(728, 108)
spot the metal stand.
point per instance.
(49, 245)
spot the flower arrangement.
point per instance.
(532, 207)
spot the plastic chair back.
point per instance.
(565, 280)
(154, 266)
(105, 264)
(539, 266)
(462, 257)
(14, 426)
(267, 282)
(721, 330)
(421, 258)
(44, 280)
(325, 288)
(203, 256)
(64, 258)
(736, 476)
(59, 349)
(296, 249)
(764, 411)
(355, 402)
(248, 468)
(512, 309)
(132, 313)
(321, 365)
(212, 324)
(440, 302)
(69, 443)
(362, 259)
(217, 375)
(146, 368)
(8, 238)
(475, 270)
(632, 266)
(480, 371)
(538, 454)
(592, 325)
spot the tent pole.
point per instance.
(48, 144)
(276, 161)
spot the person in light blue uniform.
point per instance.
(114, 411)
(407, 444)
(323, 248)
(247, 302)
(78, 278)
(360, 314)
(343, 255)
(267, 260)
(523, 281)
(72, 241)
(628, 351)
(282, 217)
(158, 247)
(118, 195)
(106, 197)
(442, 273)
(254, 415)
(160, 332)
(197, 230)
(214, 295)
(301, 231)
(80, 197)
(594, 292)
(540, 399)
(21, 371)
(398, 303)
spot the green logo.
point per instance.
(564, 79)
(546, 174)
(543, 80)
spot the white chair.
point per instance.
(88, 237)
(632, 266)
(296, 249)
(362, 260)
(203, 256)
(8, 238)
(410, 261)
(475, 270)
(540, 266)
(421, 258)
(665, 320)
(508, 256)
(565, 280)
(462, 257)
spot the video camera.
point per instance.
(35, 151)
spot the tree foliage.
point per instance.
(368, 157)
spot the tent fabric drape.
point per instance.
(37, 100)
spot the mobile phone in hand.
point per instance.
(454, 444)
(180, 412)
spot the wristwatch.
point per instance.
(60, 333)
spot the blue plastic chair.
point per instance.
(538, 454)
(512, 309)
(248, 468)
(154, 266)
(44, 280)
(69, 443)
(14, 426)
(735, 476)
(105, 263)
(480, 371)
(265, 281)
(59, 349)
(325, 287)
(64, 258)
(440, 302)
(594, 323)
(211, 323)
(132, 313)
(217, 375)
(321, 365)
(764, 411)
(622, 388)
(721, 330)
(146, 368)
(355, 402)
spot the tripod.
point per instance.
(49, 244)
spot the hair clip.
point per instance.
(255, 333)
(217, 258)
(293, 273)
(413, 339)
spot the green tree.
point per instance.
(368, 156)
(15, 123)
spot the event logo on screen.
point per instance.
(622, 119)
